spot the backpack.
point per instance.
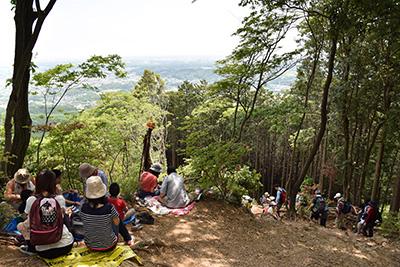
(346, 207)
(45, 221)
(283, 196)
(319, 205)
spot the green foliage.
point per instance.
(391, 225)
(218, 166)
(108, 135)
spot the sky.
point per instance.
(77, 29)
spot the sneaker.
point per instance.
(25, 249)
(137, 227)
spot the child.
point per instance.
(121, 207)
(99, 217)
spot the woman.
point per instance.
(45, 189)
(22, 181)
(100, 218)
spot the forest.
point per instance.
(337, 126)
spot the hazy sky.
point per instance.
(77, 29)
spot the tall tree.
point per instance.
(29, 19)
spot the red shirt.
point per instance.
(119, 204)
(148, 182)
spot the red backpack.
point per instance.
(46, 221)
(283, 196)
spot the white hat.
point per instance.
(338, 195)
(22, 176)
(266, 194)
(271, 198)
(95, 188)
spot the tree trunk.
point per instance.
(378, 168)
(323, 121)
(395, 204)
(17, 123)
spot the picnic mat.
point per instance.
(83, 257)
(156, 207)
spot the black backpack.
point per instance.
(320, 205)
(346, 207)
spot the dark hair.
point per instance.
(277, 185)
(97, 201)
(57, 172)
(171, 169)
(46, 182)
(114, 189)
(154, 173)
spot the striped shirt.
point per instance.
(97, 226)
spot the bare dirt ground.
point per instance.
(216, 234)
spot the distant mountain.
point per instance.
(173, 72)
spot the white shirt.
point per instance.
(66, 238)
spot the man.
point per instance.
(172, 192)
(319, 209)
(368, 218)
(148, 182)
(86, 170)
(280, 198)
(341, 211)
(22, 181)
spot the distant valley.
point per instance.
(173, 72)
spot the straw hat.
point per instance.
(95, 188)
(22, 176)
(86, 170)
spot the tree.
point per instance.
(29, 19)
(58, 81)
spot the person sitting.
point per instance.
(100, 218)
(42, 210)
(121, 207)
(86, 170)
(22, 181)
(172, 192)
(148, 181)
(71, 196)
(264, 198)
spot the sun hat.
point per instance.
(338, 195)
(271, 198)
(156, 168)
(266, 194)
(86, 170)
(22, 176)
(95, 188)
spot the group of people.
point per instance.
(316, 205)
(46, 230)
(367, 216)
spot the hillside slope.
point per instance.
(215, 234)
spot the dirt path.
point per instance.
(215, 234)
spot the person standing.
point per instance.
(319, 209)
(281, 198)
(22, 181)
